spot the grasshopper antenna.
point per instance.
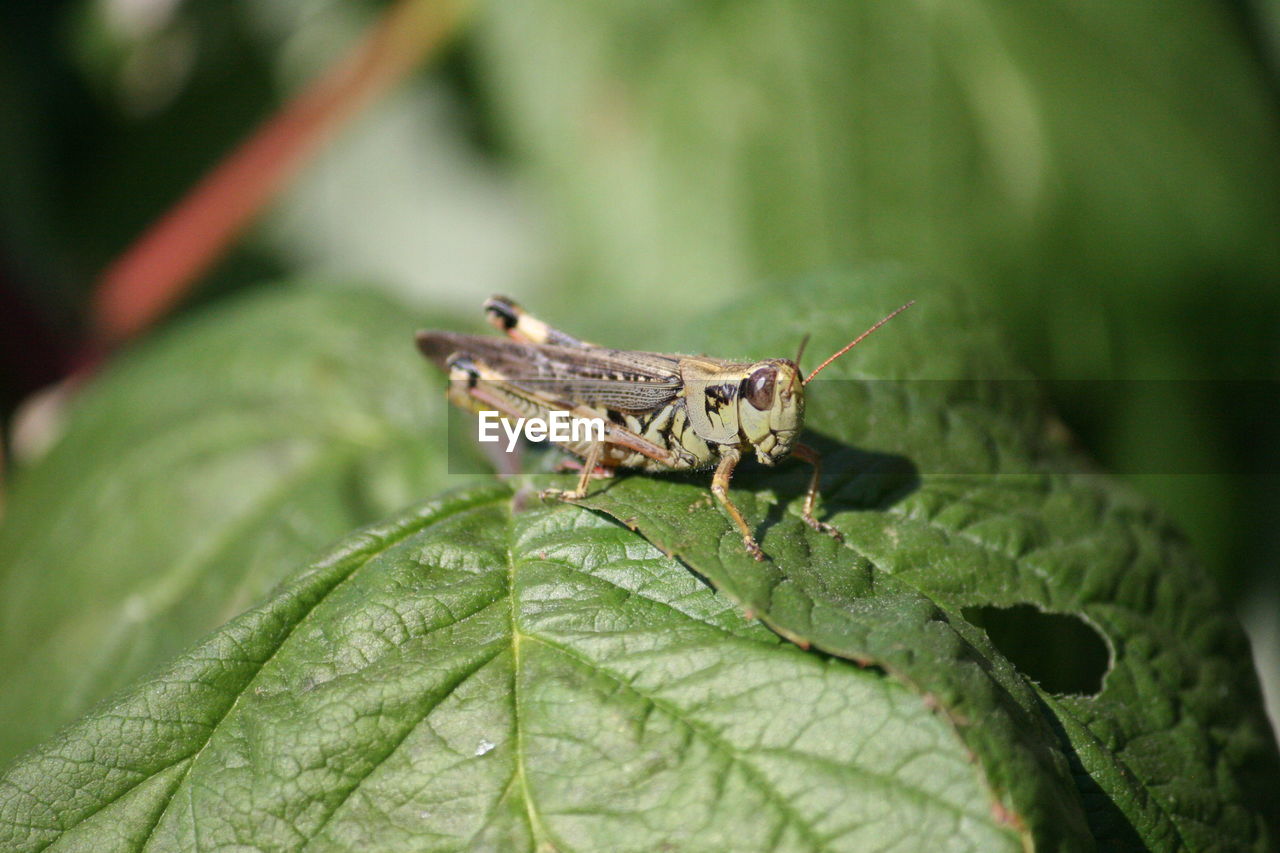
(804, 342)
(853, 343)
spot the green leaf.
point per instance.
(466, 677)
(492, 672)
(950, 497)
(193, 477)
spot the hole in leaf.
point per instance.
(1061, 652)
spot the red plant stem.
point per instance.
(153, 274)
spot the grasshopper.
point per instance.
(660, 412)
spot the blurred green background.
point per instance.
(1106, 176)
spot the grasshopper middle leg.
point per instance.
(584, 479)
(471, 389)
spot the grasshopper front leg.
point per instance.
(720, 488)
(808, 454)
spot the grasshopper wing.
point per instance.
(595, 376)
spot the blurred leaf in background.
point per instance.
(120, 107)
(1262, 22)
(194, 474)
(113, 109)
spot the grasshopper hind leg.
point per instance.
(506, 315)
(570, 465)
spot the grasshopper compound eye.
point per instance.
(757, 388)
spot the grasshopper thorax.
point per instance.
(747, 405)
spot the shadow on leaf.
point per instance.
(852, 480)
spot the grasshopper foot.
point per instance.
(823, 527)
(753, 548)
(562, 494)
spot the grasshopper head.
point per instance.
(771, 408)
